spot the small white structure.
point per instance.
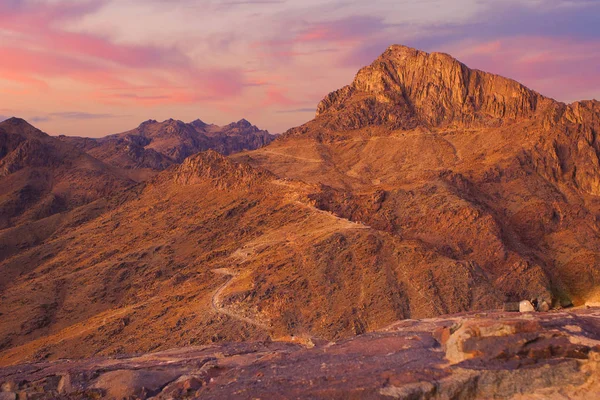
(526, 306)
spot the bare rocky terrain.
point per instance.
(422, 189)
(41, 176)
(467, 356)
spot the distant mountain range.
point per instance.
(157, 145)
(43, 175)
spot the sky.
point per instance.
(97, 67)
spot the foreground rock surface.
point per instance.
(465, 356)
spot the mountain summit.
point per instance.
(405, 87)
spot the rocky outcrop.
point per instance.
(405, 87)
(469, 356)
(217, 169)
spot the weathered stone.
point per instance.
(64, 385)
(191, 383)
(526, 306)
(490, 354)
(543, 307)
(133, 383)
(442, 334)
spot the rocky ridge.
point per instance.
(42, 176)
(157, 145)
(223, 172)
(406, 87)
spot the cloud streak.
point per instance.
(83, 115)
(43, 52)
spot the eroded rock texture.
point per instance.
(469, 356)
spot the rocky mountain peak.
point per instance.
(405, 87)
(242, 124)
(15, 121)
(19, 126)
(198, 123)
(213, 166)
(149, 122)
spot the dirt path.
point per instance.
(345, 222)
(311, 160)
(216, 300)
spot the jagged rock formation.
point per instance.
(157, 145)
(212, 166)
(406, 87)
(422, 189)
(480, 356)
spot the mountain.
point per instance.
(470, 165)
(423, 188)
(406, 88)
(157, 145)
(41, 176)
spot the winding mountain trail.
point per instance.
(311, 160)
(216, 303)
(220, 309)
(347, 224)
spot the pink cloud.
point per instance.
(43, 51)
(323, 37)
(30, 66)
(278, 97)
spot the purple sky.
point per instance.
(96, 67)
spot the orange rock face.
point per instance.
(423, 188)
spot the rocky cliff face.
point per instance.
(405, 87)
